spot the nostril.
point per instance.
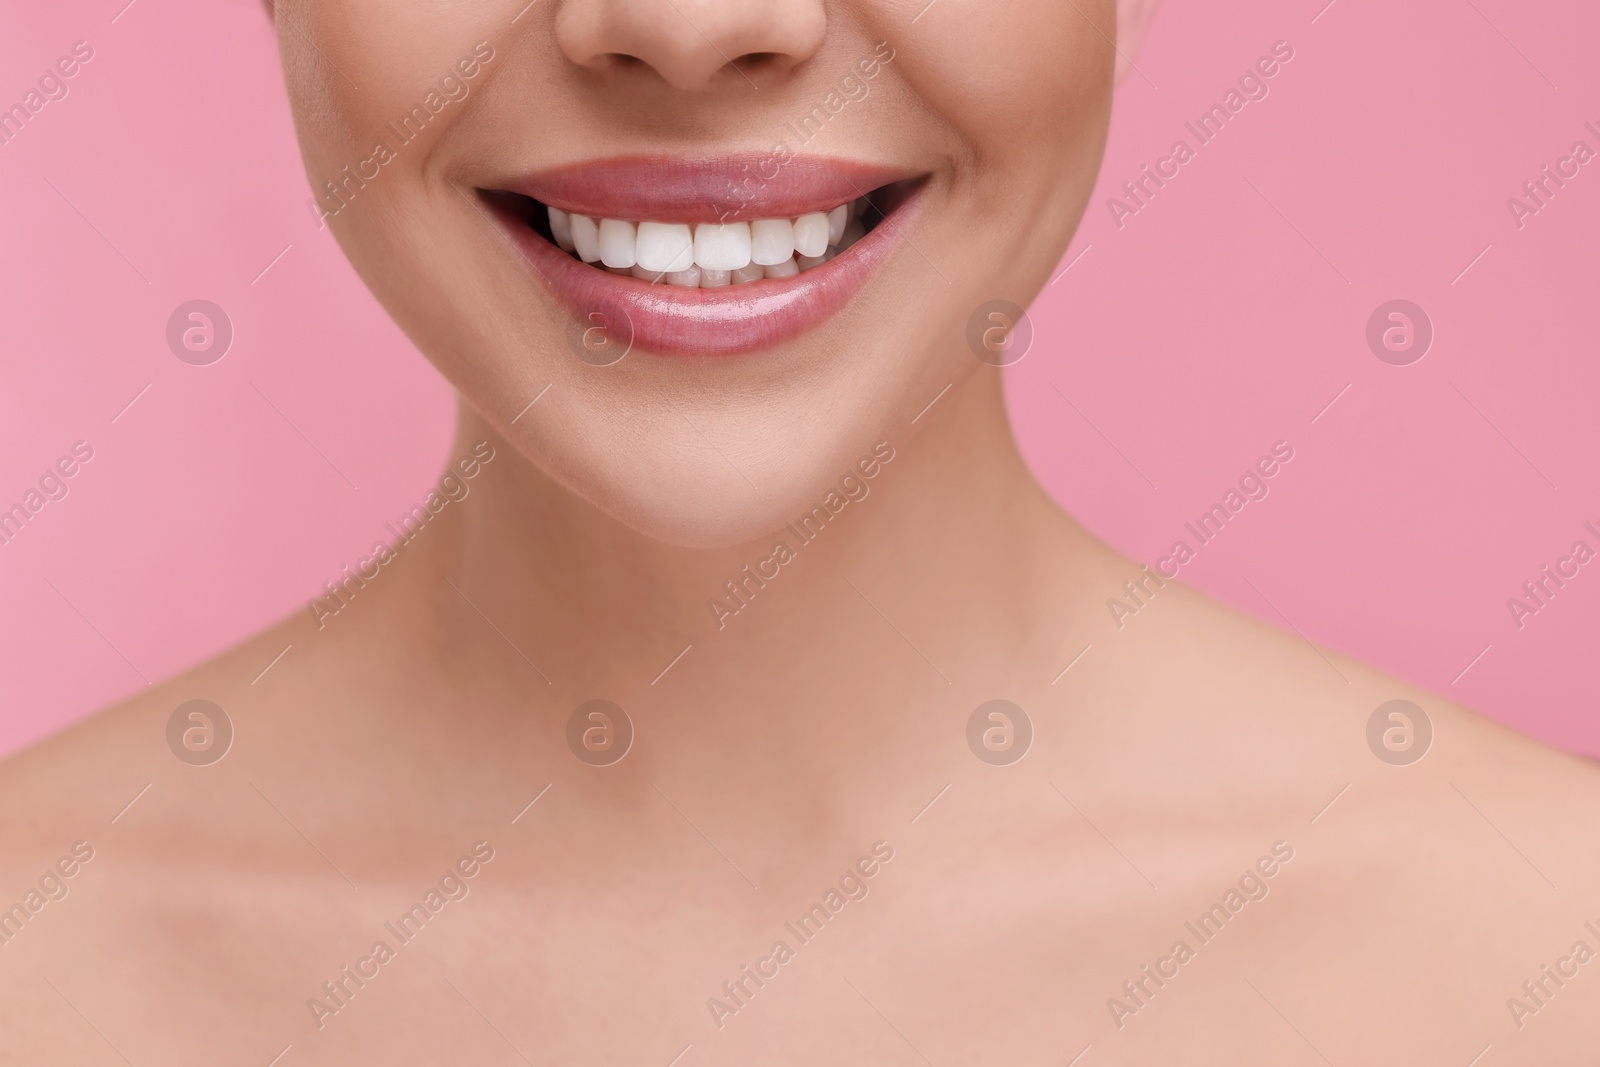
(747, 64)
(764, 65)
(723, 43)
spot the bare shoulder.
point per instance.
(162, 859)
(80, 784)
(1262, 695)
(1249, 724)
(1374, 850)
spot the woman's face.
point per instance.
(937, 155)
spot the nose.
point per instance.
(694, 45)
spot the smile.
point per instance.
(709, 258)
(711, 254)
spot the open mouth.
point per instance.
(706, 255)
(695, 257)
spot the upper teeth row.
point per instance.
(666, 247)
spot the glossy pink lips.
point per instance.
(675, 320)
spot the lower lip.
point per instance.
(728, 321)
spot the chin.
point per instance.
(662, 478)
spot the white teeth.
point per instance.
(561, 229)
(722, 246)
(688, 279)
(664, 246)
(811, 234)
(617, 243)
(711, 254)
(585, 237)
(771, 241)
(836, 220)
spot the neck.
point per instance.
(944, 582)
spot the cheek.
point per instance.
(356, 66)
(1029, 97)
(1018, 84)
(404, 228)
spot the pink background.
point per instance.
(1222, 317)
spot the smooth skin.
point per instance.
(1404, 906)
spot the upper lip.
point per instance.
(720, 189)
